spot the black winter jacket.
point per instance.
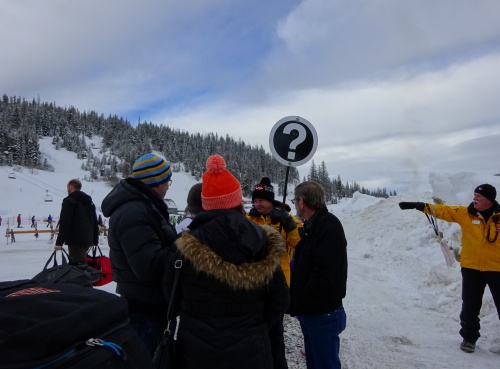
(78, 221)
(319, 275)
(232, 290)
(139, 237)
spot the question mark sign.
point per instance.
(301, 137)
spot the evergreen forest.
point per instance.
(23, 122)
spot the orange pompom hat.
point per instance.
(220, 189)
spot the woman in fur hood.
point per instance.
(231, 287)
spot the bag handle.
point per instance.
(53, 258)
(96, 248)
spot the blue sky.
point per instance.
(395, 89)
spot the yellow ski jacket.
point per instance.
(480, 241)
(292, 238)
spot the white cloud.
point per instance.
(405, 123)
(390, 86)
(326, 41)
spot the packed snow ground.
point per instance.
(402, 301)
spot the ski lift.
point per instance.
(47, 198)
(172, 207)
(12, 175)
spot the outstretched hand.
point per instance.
(411, 205)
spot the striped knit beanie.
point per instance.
(220, 189)
(152, 170)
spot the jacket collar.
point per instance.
(495, 209)
(309, 224)
(147, 192)
(246, 276)
(308, 227)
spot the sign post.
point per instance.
(293, 142)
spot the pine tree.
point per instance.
(339, 189)
(313, 173)
(324, 180)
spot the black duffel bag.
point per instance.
(47, 325)
(67, 272)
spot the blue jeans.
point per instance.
(149, 328)
(321, 338)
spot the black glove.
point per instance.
(279, 215)
(254, 213)
(412, 205)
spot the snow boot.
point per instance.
(468, 347)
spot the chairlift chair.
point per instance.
(172, 207)
(47, 198)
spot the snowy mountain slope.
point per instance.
(402, 301)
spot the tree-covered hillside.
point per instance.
(23, 122)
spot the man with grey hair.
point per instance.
(319, 277)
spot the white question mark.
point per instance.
(301, 137)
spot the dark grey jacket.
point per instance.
(139, 237)
(319, 276)
(78, 221)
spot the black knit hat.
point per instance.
(487, 191)
(263, 190)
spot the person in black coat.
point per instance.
(140, 237)
(231, 286)
(319, 277)
(78, 223)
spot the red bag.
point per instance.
(101, 263)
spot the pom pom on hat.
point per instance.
(266, 181)
(487, 191)
(152, 170)
(263, 190)
(220, 189)
(216, 164)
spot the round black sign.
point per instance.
(293, 141)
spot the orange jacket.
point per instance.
(480, 240)
(292, 238)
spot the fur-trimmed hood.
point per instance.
(245, 276)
